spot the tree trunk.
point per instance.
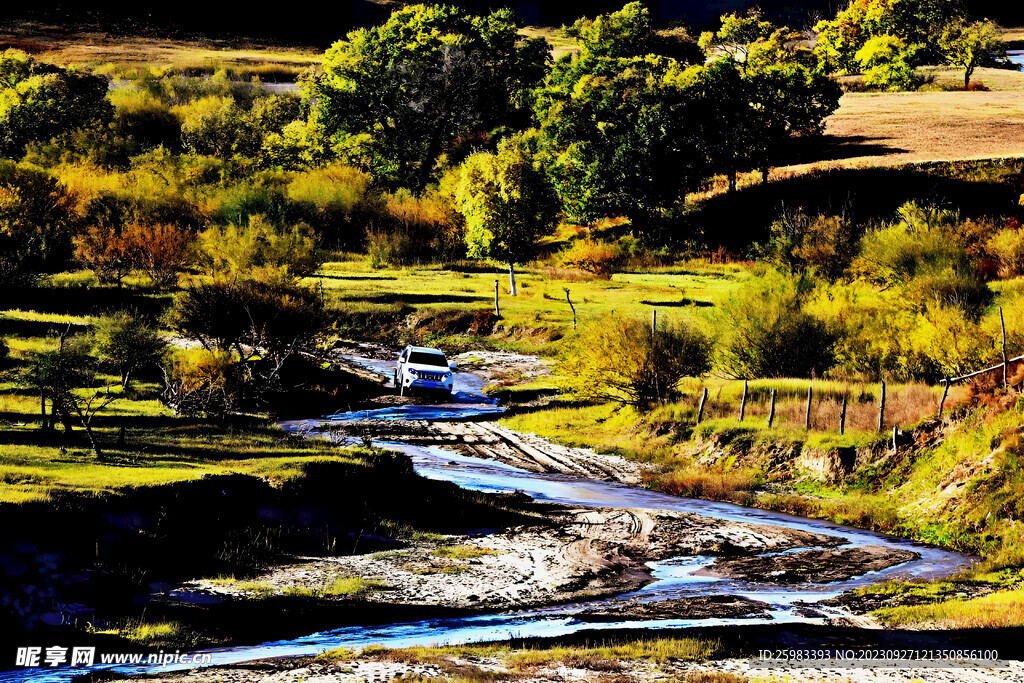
(512, 279)
(42, 410)
(92, 440)
(732, 180)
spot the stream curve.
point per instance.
(674, 577)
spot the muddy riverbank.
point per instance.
(577, 554)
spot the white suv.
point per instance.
(420, 367)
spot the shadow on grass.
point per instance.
(83, 300)
(836, 148)
(737, 220)
(679, 303)
(401, 298)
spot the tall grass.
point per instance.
(1004, 609)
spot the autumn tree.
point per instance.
(107, 253)
(507, 202)
(161, 250)
(970, 45)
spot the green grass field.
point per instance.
(540, 313)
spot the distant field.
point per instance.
(887, 129)
(270, 62)
(52, 44)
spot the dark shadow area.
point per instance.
(112, 552)
(736, 220)
(36, 328)
(681, 303)
(835, 148)
(82, 300)
(331, 21)
(399, 298)
(328, 276)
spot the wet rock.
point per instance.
(810, 566)
(695, 607)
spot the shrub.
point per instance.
(767, 333)
(259, 244)
(826, 243)
(395, 248)
(1008, 247)
(197, 382)
(328, 198)
(408, 229)
(618, 359)
(592, 256)
(926, 253)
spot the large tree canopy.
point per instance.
(40, 101)
(631, 135)
(415, 84)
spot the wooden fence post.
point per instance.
(703, 402)
(1002, 324)
(895, 431)
(807, 416)
(497, 309)
(881, 410)
(842, 418)
(654, 322)
(743, 401)
(771, 410)
(567, 298)
(945, 392)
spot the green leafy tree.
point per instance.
(619, 137)
(917, 23)
(738, 32)
(786, 100)
(970, 45)
(625, 33)
(41, 101)
(127, 342)
(66, 377)
(407, 90)
(886, 63)
(507, 203)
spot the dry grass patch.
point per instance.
(887, 129)
(998, 610)
(50, 44)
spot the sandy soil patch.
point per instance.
(582, 553)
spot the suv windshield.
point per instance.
(423, 358)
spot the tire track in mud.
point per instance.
(492, 441)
